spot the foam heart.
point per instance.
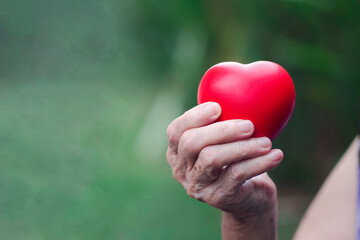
(262, 92)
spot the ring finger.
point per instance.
(212, 159)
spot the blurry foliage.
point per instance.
(88, 87)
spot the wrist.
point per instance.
(261, 226)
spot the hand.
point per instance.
(220, 164)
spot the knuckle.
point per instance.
(233, 173)
(236, 175)
(207, 157)
(169, 156)
(193, 192)
(188, 141)
(176, 174)
(190, 191)
(171, 134)
(179, 174)
(188, 114)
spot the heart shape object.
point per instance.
(262, 92)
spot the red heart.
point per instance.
(261, 92)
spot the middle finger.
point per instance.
(194, 140)
(212, 159)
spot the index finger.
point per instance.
(198, 116)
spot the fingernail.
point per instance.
(276, 155)
(245, 126)
(264, 142)
(211, 109)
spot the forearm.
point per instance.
(262, 227)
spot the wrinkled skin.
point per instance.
(220, 164)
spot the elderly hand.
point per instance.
(220, 164)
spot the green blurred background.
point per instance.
(87, 89)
